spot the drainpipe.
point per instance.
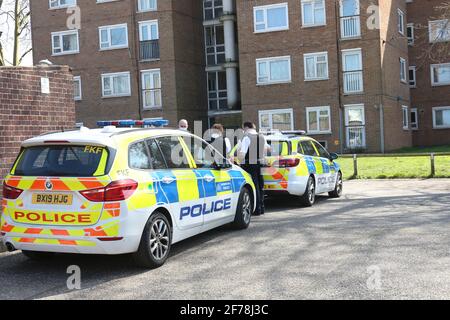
(382, 128)
(231, 64)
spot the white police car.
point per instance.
(120, 190)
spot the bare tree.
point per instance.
(16, 14)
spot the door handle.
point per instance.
(168, 180)
(209, 178)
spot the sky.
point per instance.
(7, 27)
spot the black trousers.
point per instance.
(255, 171)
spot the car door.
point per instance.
(314, 164)
(328, 169)
(219, 199)
(176, 185)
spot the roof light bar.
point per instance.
(133, 123)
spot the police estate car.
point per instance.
(300, 166)
(120, 190)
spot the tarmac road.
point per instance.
(384, 239)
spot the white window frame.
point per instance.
(413, 82)
(108, 29)
(59, 5)
(317, 110)
(268, 61)
(347, 126)
(430, 34)
(111, 76)
(147, 10)
(345, 70)
(315, 55)
(60, 34)
(80, 97)
(412, 38)
(270, 113)
(437, 84)
(148, 23)
(314, 24)
(435, 126)
(404, 68)
(415, 125)
(268, 7)
(405, 117)
(401, 22)
(151, 71)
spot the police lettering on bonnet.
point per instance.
(117, 189)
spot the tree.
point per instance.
(15, 16)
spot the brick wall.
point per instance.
(26, 112)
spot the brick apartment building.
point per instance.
(330, 67)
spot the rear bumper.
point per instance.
(295, 187)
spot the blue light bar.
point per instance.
(133, 123)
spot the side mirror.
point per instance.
(222, 165)
(334, 156)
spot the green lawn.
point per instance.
(424, 149)
(392, 168)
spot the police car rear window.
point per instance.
(62, 161)
(279, 148)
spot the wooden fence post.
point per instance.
(355, 166)
(433, 168)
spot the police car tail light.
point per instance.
(116, 191)
(286, 163)
(11, 193)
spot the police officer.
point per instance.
(217, 139)
(251, 152)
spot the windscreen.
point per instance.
(62, 161)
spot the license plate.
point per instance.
(53, 198)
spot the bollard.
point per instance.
(355, 166)
(433, 168)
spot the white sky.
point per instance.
(7, 27)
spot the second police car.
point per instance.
(120, 190)
(299, 165)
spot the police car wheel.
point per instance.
(155, 244)
(337, 192)
(37, 255)
(309, 197)
(244, 210)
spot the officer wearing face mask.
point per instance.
(183, 125)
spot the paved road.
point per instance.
(383, 239)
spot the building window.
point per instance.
(147, 5)
(149, 40)
(215, 45)
(271, 18)
(440, 74)
(350, 19)
(151, 88)
(313, 13)
(77, 88)
(441, 118)
(316, 66)
(56, 4)
(412, 77)
(280, 119)
(318, 120)
(217, 91)
(212, 9)
(113, 37)
(355, 126)
(352, 70)
(116, 84)
(401, 21)
(410, 33)
(405, 117)
(402, 70)
(414, 119)
(273, 70)
(439, 30)
(65, 42)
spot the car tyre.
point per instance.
(156, 242)
(38, 255)
(309, 197)
(337, 192)
(244, 211)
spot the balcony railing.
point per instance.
(350, 27)
(353, 82)
(149, 50)
(356, 137)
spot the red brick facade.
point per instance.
(26, 112)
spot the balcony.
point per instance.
(356, 137)
(149, 50)
(350, 27)
(353, 82)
